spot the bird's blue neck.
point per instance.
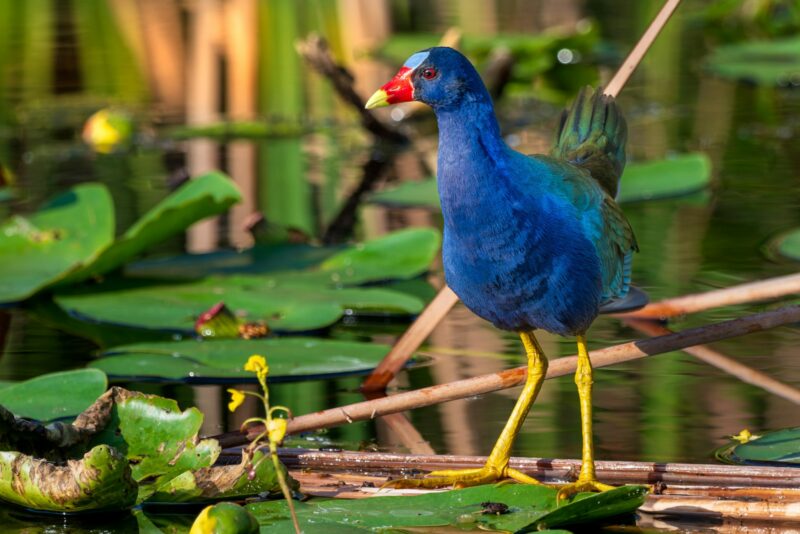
(472, 153)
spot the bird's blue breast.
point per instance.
(514, 251)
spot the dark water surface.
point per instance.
(669, 408)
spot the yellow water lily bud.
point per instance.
(237, 398)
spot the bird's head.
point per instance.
(440, 77)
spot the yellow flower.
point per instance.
(745, 436)
(276, 429)
(237, 398)
(257, 364)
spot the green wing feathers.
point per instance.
(592, 135)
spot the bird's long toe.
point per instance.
(586, 485)
(462, 478)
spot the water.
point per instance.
(669, 408)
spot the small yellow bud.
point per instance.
(257, 364)
(745, 436)
(237, 398)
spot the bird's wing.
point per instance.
(602, 220)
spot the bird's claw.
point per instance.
(581, 485)
(462, 478)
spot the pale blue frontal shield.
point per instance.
(416, 60)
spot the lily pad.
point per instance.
(101, 480)
(781, 447)
(772, 63)
(677, 176)
(241, 130)
(289, 301)
(529, 508)
(40, 249)
(786, 245)
(71, 238)
(294, 358)
(54, 395)
(202, 197)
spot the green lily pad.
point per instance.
(40, 249)
(71, 239)
(241, 130)
(101, 480)
(158, 439)
(54, 395)
(202, 197)
(778, 447)
(290, 301)
(529, 507)
(221, 482)
(667, 178)
(786, 244)
(763, 62)
(293, 358)
(678, 176)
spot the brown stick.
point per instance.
(635, 57)
(430, 318)
(613, 472)
(724, 363)
(410, 341)
(761, 290)
(512, 377)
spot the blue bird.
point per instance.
(530, 242)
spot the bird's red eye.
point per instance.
(429, 73)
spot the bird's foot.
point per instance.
(583, 484)
(463, 478)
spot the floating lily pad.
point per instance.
(786, 244)
(54, 395)
(241, 130)
(781, 447)
(293, 301)
(529, 508)
(202, 197)
(39, 249)
(72, 238)
(289, 359)
(763, 62)
(678, 176)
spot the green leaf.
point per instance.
(221, 482)
(677, 176)
(781, 446)
(291, 358)
(528, 507)
(101, 480)
(763, 62)
(282, 303)
(54, 395)
(786, 244)
(40, 249)
(158, 439)
(398, 255)
(667, 178)
(202, 197)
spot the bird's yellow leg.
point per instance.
(496, 468)
(587, 481)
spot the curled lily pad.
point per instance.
(290, 358)
(786, 245)
(101, 480)
(54, 395)
(528, 508)
(677, 176)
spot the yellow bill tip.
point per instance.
(378, 100)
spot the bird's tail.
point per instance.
(592, 135)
